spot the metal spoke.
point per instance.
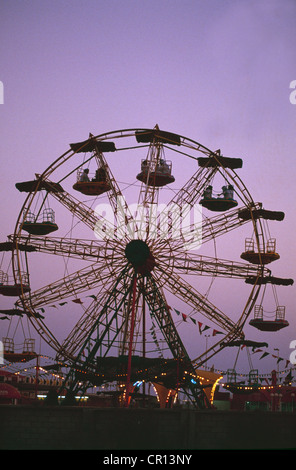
(125, 223)
(181, 289)
(174, 219)
(80, 281)
(100, 315)
(208, 229)
(100, 226)
(72, 247)
(187, 262)
(235, 333)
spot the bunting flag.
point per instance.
(257, 350)
(153, 334)
(279, 359)
(264, 355)
(216, 332)
(92, 296)
(201, 330)
(199, 326)
(61, 304)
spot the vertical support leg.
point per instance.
(129, 364)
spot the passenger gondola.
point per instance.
(156, 175)
(263, 324)
(96, 186)
(219, 204)
(44, 227)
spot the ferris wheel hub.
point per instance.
(139, 255)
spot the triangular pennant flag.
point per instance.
(53, 306)
(264, 355)
(205, 328)
(92, 296)
(199, 326)
(177, 311)
(63, 303)
(257, 350)
(184, 316)
(77, 301)
(216, 332)
(193, 320)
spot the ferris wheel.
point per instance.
(131, 219)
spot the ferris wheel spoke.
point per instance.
(181, 289)
(160, 311)
(192, 190)
(176, 219)
(191, 237)
(124, 222)
(104, 319)
(186, 262)
(155, 173)
(72, 343)
(71, 247)
(231, 335)
(235, 333)
(218, 225)
(71, 285)
(102, 228)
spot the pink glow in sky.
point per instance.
(217, 72)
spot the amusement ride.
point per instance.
(136, 249)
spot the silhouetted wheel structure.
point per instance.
(138, 217)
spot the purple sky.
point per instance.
(217, 72)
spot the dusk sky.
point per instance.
(216, 71)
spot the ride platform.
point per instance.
(39, 228)
(259, 258)
(91, 188)
(218, 204)
(13, 290)
(268, 325)
(155, 179)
